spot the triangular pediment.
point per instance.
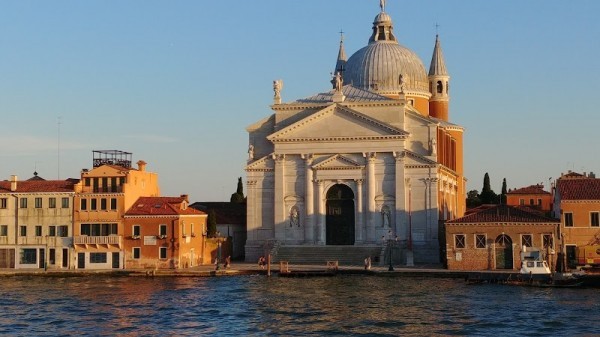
(262, 164)
(413, 159)
(338, 162)
(337, 123)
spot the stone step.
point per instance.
(345, 255)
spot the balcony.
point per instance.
(98, 241)
(50, 241)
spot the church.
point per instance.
(373, 162)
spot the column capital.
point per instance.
(278, 157)
(399, 155)
(358, 181)
(308, 157)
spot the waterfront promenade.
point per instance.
(243, 268)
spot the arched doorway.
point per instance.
(504, 252)
(340, 216)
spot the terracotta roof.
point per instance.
(532, 189)
(227, 213)
(161, 206)
(578, 189)
(38, 185)
(502, 213)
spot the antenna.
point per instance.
(58, 151)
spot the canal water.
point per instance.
(261, 306)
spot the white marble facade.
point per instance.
(376, 146)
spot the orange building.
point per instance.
(492, 236)
(532, 196)
(102, 197)
(577, 205)
(163, 232)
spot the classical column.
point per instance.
(279, 193)
(360, 222)
(320, 214)
(371, 196)
(400, 223)
(309, 228)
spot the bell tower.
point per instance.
(438, 84)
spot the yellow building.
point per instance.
(577, 204)
(103, 195)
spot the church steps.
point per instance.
(319, 255)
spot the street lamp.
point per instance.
(391, 242)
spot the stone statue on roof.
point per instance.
(401, 83)
(277, 86)
(382, 5)
(338, 81)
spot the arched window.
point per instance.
(503, 241)
(447, 87)
(440, 87)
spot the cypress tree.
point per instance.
(504, 191)
(212, 224)
(487, 196)
(238, 196)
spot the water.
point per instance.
(261, 306)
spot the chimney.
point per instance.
(186, 197)
(592, 175)
(141, 165)
(13, 183)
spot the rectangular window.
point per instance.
(83, 205)
(93, 204)
(531, 202)
(459, 241)
(540, 202)
(38, 230)
(113, 204)
(548, 241)
(103, 205)
(52, 203)
(52, 256)
(137, 252)
(95, 183)
(63, 231)
(3, 203)
(23, 203)
(38, 202)
(526, 240)
(97, 257)
(162, 230)
(28, 256)
(162, 253)
(65, 202)
(521, 202)
(113, 184)
(480, 240)
(4, 230)
(104, 184)
(568, 219)
(192, 230)
(86, 229)
(594, 219)
(87, 181)
(52, 231)
(136, 230)
(23, 230)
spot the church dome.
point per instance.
(378, 66)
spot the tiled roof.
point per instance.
(227, 213)
(161, 206)
(38, 185)
(352, 94)
(532, 189)
(502, 213)
(578, 189)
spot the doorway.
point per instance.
(340, 216)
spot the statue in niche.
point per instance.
(433, 146)
(251, 151)
(401, 83)
(294, 217)
(386, 216)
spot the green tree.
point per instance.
(212, 224)
(238, 196)
(473, 199)
(504, 191)
(487, 195)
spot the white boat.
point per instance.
(533, 263)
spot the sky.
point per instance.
(176, 83)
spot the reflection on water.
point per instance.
(257, 305)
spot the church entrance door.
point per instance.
(340, 216)
(504, 252)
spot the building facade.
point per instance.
(532, 196)
(164, 233)
(103, 195)
(493, 236)
(35, 223)
(577, 205)
(375, 156)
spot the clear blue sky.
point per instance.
(177, 82)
